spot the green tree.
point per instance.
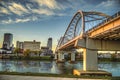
(16, 50)
(27, 52)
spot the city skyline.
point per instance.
(40, 19)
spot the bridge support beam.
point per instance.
(90, 60)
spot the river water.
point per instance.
(53, 67)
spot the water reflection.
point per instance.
(113, 67)
(52, 67)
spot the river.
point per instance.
(53, 67)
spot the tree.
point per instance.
(16, 50)
(26, 52)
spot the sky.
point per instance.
(38, 20)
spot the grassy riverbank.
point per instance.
(52, 58)
(109, 59)
(29, 58)
(59, 75)
(56, 75)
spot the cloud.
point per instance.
(6, 21)
(21, 12)
(51, 4)
(33, 18)
(4, 10)
(36, 10)
(19, 20)
(106, 4)
(43, 11)
(17, 9)
(22, 20)
(109, 7)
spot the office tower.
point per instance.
(49, 43)
(7, 43)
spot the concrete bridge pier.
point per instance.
(56, 56)
(90, 66)
(90, 60)
(60, 57)
(72, 57)
(63, 56)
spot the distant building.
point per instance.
(49, 43)
(19, 45)
(8, 39)
(104, 55)
(46, 51)
(31, 45)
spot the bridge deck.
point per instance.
(108, 29)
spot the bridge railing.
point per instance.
(106, 20)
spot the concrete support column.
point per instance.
(90, 60)
(56, 56)
(59, 57)
(73, 57)
(63, 56)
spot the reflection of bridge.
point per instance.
(90, 31)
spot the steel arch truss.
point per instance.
(80, 23)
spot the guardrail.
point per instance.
(106, 20)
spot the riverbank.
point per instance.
(18, 77)
(39, 76)
(29, 58)
(49, 58)
(53, 75)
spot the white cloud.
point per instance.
(17, 9)
(43, 11)
(29, 6)
(108, 7)
(19, 20)
(22, 20)
(6, 21)
(51, 4)
(32, 18)
(4, 10)
(108, 4)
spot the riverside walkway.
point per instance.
(18, 77)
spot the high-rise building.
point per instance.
(49, 43)
(7, 43)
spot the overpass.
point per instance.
(90, 31)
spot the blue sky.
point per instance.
(40, 19)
